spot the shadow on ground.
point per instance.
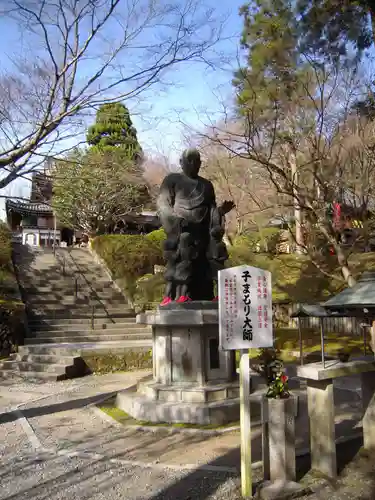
(38, 411)
(91, 478)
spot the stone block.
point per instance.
(223, 412)
(193, 396)
(368, 402)
(169, 396)
(281, 490)
(335, 368)
(179, 317)
(216, 395)
(281, 427)
(233, 392)
(321, 411)
(149, 391)
(141, 408)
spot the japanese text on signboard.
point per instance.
(231, 310)
(245, 308)
(247, 327)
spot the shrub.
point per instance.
(128, 257)
(157, 236)
(12, 327)
(5, 247)
(149, 291)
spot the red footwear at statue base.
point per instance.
(183, 299)
(165, 301)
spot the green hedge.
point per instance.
(5, 248)
(149, 291)
(12, 326)
(128, 257)
(157, 236)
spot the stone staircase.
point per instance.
(71, 306)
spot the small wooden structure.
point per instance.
(315, 311)
(357, 301)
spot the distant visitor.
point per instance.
(194, 249)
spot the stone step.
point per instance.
(60, 280)
(79, 314)
(140, 330)
(61, 323)
(51, 325)
(72, 299)
(55, 339)
(77, 305)
(99, 311)
(30, 376)
(25, 366)
(44, 358)
(70, 349)
(105, 293)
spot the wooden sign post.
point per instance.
(245, 322)
(245, 424)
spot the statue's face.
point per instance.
(190, 163)
(190, 169)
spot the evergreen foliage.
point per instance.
(114, 130)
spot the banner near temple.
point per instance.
(245, 308)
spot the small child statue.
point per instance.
(217, 252)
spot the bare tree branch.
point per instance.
(88, 52)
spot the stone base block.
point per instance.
(171, 404)
(142, 408)
(280, 490)
(189, 393)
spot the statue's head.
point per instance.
(191, 162)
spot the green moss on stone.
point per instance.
(124, 418)
(124, 361)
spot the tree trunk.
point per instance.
(372, 16)
(341, 257)
(344, 265)
(297, 208)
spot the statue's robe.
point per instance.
(185, 206)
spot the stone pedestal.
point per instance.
(193, 381)
(321, 408)
(368, 404)
(282, 438)
(280, 416)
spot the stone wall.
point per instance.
(103, 361)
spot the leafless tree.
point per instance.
(74, 55)
(240, 180)
(319, 153)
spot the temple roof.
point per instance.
(309, 310)
(29, 208)
(360, 296)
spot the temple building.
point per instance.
(33, 222)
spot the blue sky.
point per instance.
(194, 94)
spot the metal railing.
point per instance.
(79, 282)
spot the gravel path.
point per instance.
(58, 447)
(73, 453)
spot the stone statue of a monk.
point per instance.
(194, 250)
